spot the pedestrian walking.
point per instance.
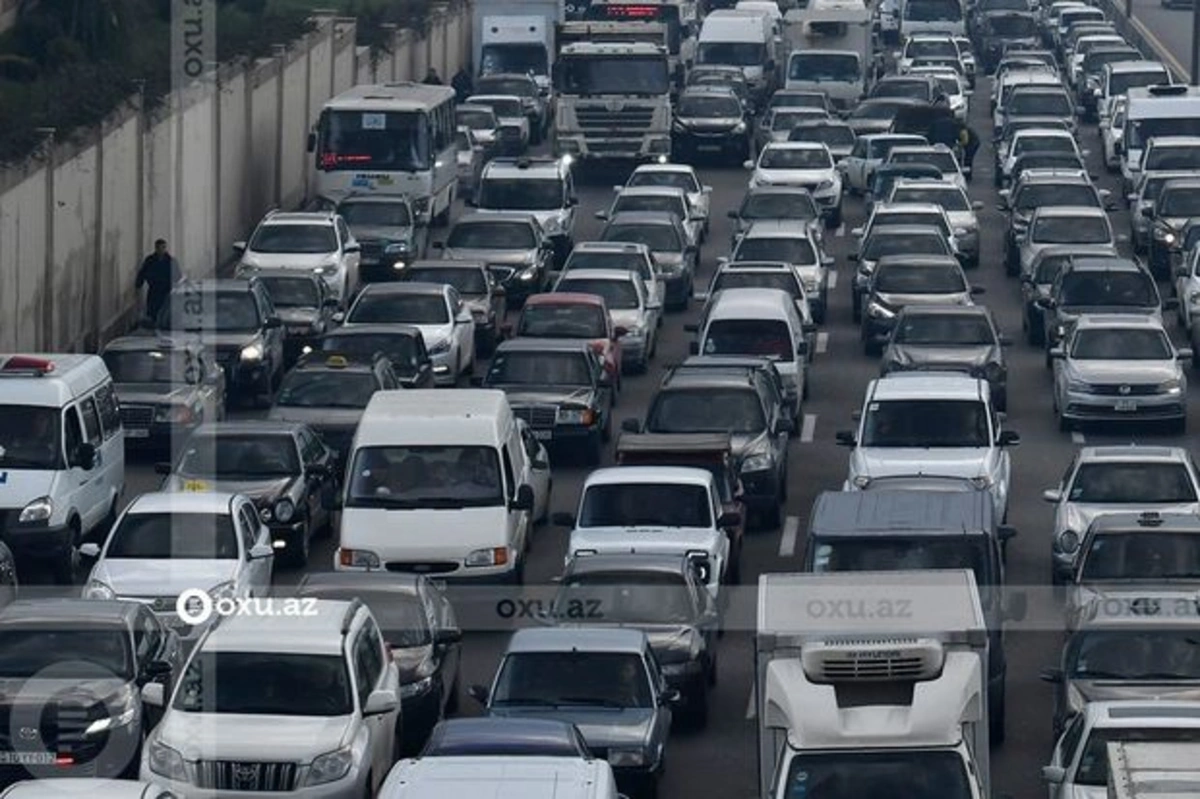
(432, 78)
(968, 140)
(159, 273)
(462, 84)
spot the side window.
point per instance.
(250, 525)
(1069, 743)
(1069, 473)
(860, 149)
(147, 638)
(73, 433)
(110, 412)
(530, 443)
(91, 422)
(368, 661)
(509, 479)
(343, 231)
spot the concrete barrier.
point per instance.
(200, 171)
(1142, 38)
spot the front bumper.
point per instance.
(761, 489)
(39, 540)
(352, 785)
(562, 435)
(633, 351)
(1079, 406)
(629, 147)
(102, 756)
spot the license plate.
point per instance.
(543, 435)
(1127, 405)
(197, 486)
(136, 433)
(708, 148)
(368, 261)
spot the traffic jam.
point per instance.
(793, 394)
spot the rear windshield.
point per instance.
(761, 337)
(1111, 288)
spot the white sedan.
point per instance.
(680, 176)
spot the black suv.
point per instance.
(73, 671)
(711, 120)
(238, 320)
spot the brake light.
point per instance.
(27, 363)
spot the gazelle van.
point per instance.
(436, 484)
(62, 455)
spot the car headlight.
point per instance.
(97, 589)
(284, 510)
(174, 414)
(740, 127)
(492, 556)
(39, 510)
(123, 710)
(981, 482)
(440, 347)
(1068, 541)
(824, 185)
(419, 688)
(879, 312)
(329, 270)
(700, 561)
(1172, 386)
(861, 481)
(358, 559)
(618, 758)
(527, 273)
(757, 463)
(1079, 386)
(583, 416)
(252, 352)
(1165, 234)
(396, 247)
(166, 762)
(330, 767)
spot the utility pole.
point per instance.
(1194, 71)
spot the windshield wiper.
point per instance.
(525, 700)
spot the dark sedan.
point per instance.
(403, 345)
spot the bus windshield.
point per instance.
(385, 140)
(589, 75)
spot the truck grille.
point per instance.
(1131, 390)
(231, 775)
(137, 416)
(372, 250)
(436, 567)
(598, 117)
(537, 415)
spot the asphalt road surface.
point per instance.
(721, 760)
(1168, 29)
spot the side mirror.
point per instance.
(977, 290)
(524, 499)
(601, 215)
(827, 260)
(1184, 354)
(274, 323)
(671, 696)
(852, 257)
(620, 332)
(747, 165)
(448, 635)
(691, 327)
(1148, 212)
(1008, 438)
(561, 519)
(732, 214)
(1057, 353)
(90, 550)
(1053, 495)
(977, 206)
(1006, 533)
(438, 245)
(260, 551)
(85, 457)
(156, 669)
(802, 347)
(729, 519)
(479, 693)
(331, 302)
(471, 202)
(1054, 774)
(857, 232)
(353, 248)
(694, 348)
(154, 694)
(1181, 271)
(856, 415)
(239, 246)
(380, 702)
(1053, 675)
(163, 468)
(338, 318)
(1045, 303)
(785, 425)
(631, 426)
(845, 438)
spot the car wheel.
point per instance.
(996, 716)
(296, 554)
(66, 562)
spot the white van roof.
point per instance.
(435, 417)
(48, 379)
(728, 25)
(532, 777)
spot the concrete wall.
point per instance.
(200, 171)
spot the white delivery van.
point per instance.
(746, 40)
(484, 777)
(62, 455)
(832, 50)
(436, 484)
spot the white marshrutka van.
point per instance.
(437, 483)
(62, 455)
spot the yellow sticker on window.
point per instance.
(195, 485)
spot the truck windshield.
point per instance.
(734, 54)
(585, 75)
(388, 140)
(901, 553)
(824, 66)
(1140, 131)
(933, 11)
(1121, 82)
(514, 58)
(853, 775)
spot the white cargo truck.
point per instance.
(516, 36)
(872, 684)
(832, 50)
(1153, 770)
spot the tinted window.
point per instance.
(539, 368)
(919, 279)
(1125, 344)
(624, 261)
(292, 292)
(425, 477)
(492, 236)
(1180, 202)
(522, 194)
(408, 309)
(1147, 654)
(926, 423)
(918, 774)
(943, 329)
(1132, 483)
(241, 455)
(951, 199)
(646, 505)
(1053, 144)
(797, 251)
(63, 653)
(270, 684)
(708, 107)
(618, 294)
(469, 282)
(784, 281)
(658, 238)
(1071, 230)
(563, 321)
(790, 205)
(943, 161)
(762, 337)
(885, 243)
(289, 238)
(219, 311)
(402, 350)
(788, 158)
(327, 389)
(563, 679)
(1142, 555)
(901, 554)
(110, 414)
(1134, 289)
(1040, 104)
(1034, 196)
(173, 536)
(706, 411)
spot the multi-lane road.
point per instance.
(721, 760)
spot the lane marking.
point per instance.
(787, 543)
(1077, 437)
(808, 428)
(751, 706)
(831, 283)
(822, 342)
(840, 231)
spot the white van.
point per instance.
(437, 483)
(746, 40)
(485, 777)
(62, 455)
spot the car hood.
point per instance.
(507, 257)
(1078, 516)
(152, 393)
(381, 233)
(262, 490)
(288, 260)
(211, 736)
(298, 316)
(934, 357)
(654, 540)
(796, 177)
(545, 395)
(709, 123)
(966, 462)
(1125, 371)
(602, 728)
(144, 578)
(433, 334)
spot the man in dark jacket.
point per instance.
(944, 130)
(432, 78)
(462, 83)
(968, 139)
(159, 273)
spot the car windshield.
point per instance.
(563, 321)
(289, 238)
(618, 295)
(760, 337)
(522, 194)
(173, 535)
(30, 437)
(792, 250)
(1147, 654)
(1012, 26)
(426, 477)
(781, 205)
(1140, 131)
(795, 158)
(292, 292)
(794, 99)
(685, 181)
(1095, 60)
(647, 597)
(919, 279)
(733, 279)
(884, 243)
(1048, 269)
(1121, 344)
(265, 684)
(375, 214)
(900, 88)
(831, 135)
(926, 423)
(539, 369)
(240, 456)
(218, 311)
(1034, 196)
(735, 54)
(401, 349)
(1049, 104)
(1179, 202)
(151, 366)
(880, 147)
(493, 236)
(468, 282)
(1072, 230)
(848, 774)
(399, 309)
(327, 389)
(1172, 158)
(1132, 483)
(502, 107)
(64, 653)
(646, 504)
(942, 160)
(878, 554)
(951, 198)
(657, 238)
(734, 411)
(1131, 289)
(1142, 555)
(943, 329)
(1043, 144)
(667, 203)
(824, 66)
(573, 679)
(1092, 770)
(621, 261)
(700, 106)
(495, 84)
(474, 118)
(917, 48)
(878, 110)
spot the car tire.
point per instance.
(996, 716)
(296, 554)
(66, 562)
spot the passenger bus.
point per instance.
(395, 138)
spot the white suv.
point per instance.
(319, 242)
(321, 670)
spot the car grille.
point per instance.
(1130, 390)
(233, 775)
(138, 416)
(598, 117)
(433, 567)
(537, 415)
(54, 727)
(227, 357)
(616, 146)
(372, 249)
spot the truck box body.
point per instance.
(511, 35)
(825, 38)
(1153, 770)
(883, 663)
